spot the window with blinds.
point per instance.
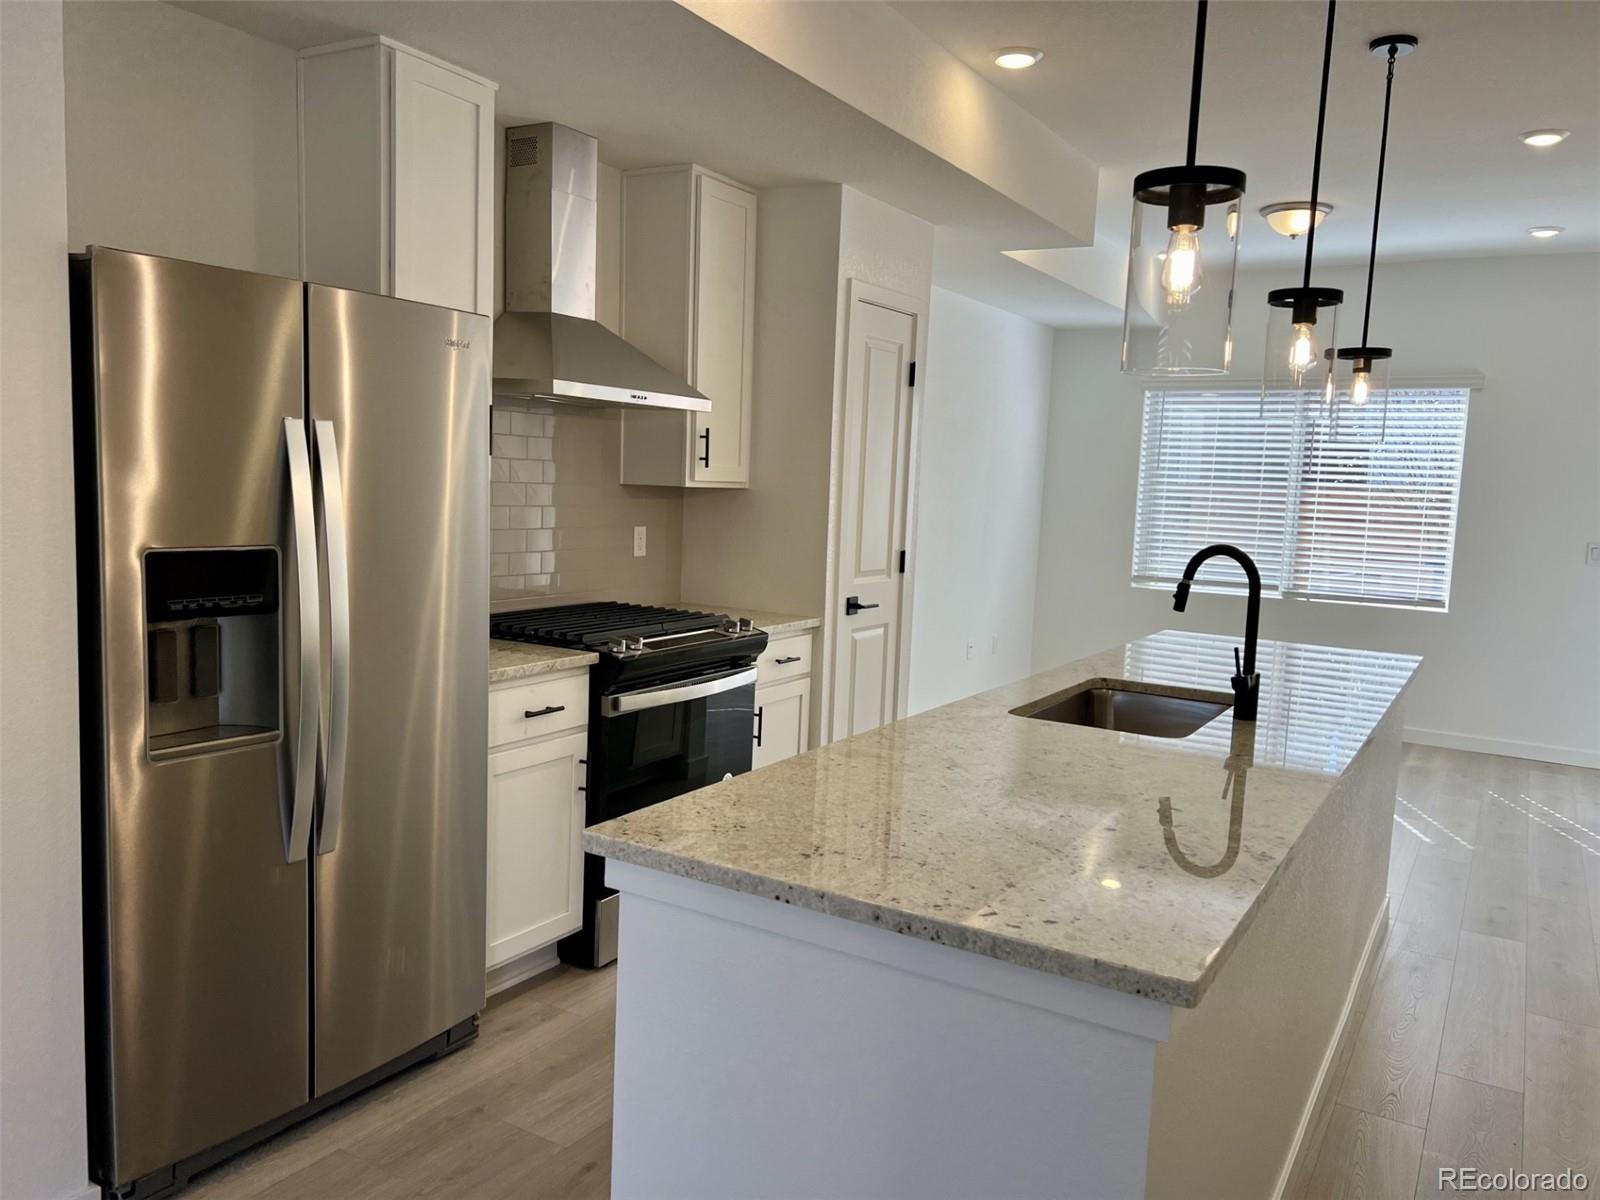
(1361, 511)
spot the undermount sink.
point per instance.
(1113, 704)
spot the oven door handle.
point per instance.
(674, 693)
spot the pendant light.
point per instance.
(1182, 255)
(1360, 377)
(1302, 322)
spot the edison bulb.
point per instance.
(1302, 353)
(1181, 272)
(1360, 388)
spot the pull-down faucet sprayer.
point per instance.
(1246, 682)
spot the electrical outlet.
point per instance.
(994, 644)
(1591, 554)
(971, 646)
(638, 541)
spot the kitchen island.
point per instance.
(975, 953)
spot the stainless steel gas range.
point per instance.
(671, 709)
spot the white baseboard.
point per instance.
(1292, 1166)
(521, 968)
(1537, 751)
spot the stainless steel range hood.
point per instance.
(547, 344)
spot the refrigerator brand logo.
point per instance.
(638, 395)
(458, 343)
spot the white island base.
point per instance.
(973, 956)
(767, 1051)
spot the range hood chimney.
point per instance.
(547, 344)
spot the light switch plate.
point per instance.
(638, 541)
(1592, 554)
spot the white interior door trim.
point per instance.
(917, 309)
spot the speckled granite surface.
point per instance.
(519, 660)
(1127, 861)
(774, 623)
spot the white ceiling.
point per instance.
(657, 84)
(1115, 79)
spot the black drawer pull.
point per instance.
(784, 662)
(544, 712)
(759, 711)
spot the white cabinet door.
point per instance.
(724, 329)
(397, 174)
(536, 809)
(783, 716)
(443, 176)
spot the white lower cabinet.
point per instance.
(783, 699)
(783, 720)
(536, 815)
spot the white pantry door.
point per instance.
(872, 517)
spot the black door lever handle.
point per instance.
(853, 605)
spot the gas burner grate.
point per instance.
(598, 624)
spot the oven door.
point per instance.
(658, 742)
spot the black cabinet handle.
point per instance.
(759, 711)
(705, 455)
(544, 712)
(784, 662)
(853, 605)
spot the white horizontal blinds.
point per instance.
(1375, 520)
(1368, 515)
(1213, 467)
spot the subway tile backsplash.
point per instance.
(561, 526)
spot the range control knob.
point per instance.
(746, 625)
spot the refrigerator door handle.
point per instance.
(335, 543)
(297, 833)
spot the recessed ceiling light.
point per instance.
(1110, 884)
(1547, 231)
(1294, 218)
(1545, 137)
(1015, 58)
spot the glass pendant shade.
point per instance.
(1302, 332)
(1357, 394)
(1182, 255)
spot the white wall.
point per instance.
(764, 546)
(985, 407)
(181, 138)
(1514, 666)
(41, 961)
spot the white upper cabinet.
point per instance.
(397, 174)
(688, 301)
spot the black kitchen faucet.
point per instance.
(1246, 682)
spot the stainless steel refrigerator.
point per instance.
(283, 631)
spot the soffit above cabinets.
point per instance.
(748, 90)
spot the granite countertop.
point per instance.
(1040, 843)
(774, 623)
(519, 660)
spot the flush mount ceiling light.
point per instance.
(1182, 256)
(1545, 137)
(1361, 372)
(1547, 231)
(1294, 217)
(1017, 58)
(1302, 322)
